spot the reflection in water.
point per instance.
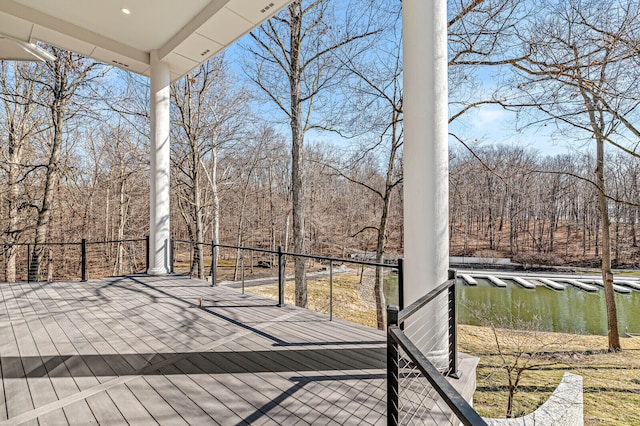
(568, 311)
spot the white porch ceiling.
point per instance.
(185, 33)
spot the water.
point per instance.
(391, 289)
(568, 311)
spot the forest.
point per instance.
(272, 147)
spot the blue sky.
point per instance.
(493, 125)
(487, 125)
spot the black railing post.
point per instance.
(331, 290)
(453, 327)
(191, 246)
(33, 270)
(172, 253)
(401, 283)
(147, 252)
(242, 269)
(28, 263)
(83, 259)
(280, 277)
(392, 368)
(214, 262)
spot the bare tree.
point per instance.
(253, 153)
(62, 80)
(207, 111)
(375, 82)
(578, 67)
(294, 66)
(125, 158)
(189, 96)
(21, 123)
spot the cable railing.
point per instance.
(421, 338)
(421, 352)
(245, 267)
(65, 261)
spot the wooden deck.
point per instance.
(139, 350)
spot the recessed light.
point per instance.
(122, 64)
(126, 11)
(267, 7)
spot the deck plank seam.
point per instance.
(88, 403)
(35, 413)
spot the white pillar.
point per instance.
(426, 170)
(159, 232)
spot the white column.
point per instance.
(426, 170)
(159, 232)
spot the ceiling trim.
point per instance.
(200, 19)
(55, 24)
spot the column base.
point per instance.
(439, 358)
(158, 271)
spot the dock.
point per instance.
(523, 283)
(580, 285)
(631, 284)
(468, 279)
(551, 284)
(617, 288)
(496, 281)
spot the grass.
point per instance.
(610, 395)
(348, 304)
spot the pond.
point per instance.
(568, 311)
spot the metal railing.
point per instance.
(64, 261)
(234, 262)
(417, 390)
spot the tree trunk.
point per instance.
(15, 155)
(633, 211)
(511, 394)
(197, 210)
(240, 225)
(382, 226)
(272, 219)
(607, 274)
(584, 231)
(19, 125)
(122, 213)
(632, 220)
(287, 225)
(52, 176)
(216, 202)
(297, 155)
(106, 216)
(380, 245)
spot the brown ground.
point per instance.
(568, 248)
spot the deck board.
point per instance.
(139, 350)
(155, 405)
(130, 408)
(55, 342)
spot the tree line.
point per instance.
(538, 209)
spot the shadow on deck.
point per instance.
(139, 350)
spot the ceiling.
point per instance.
(185, 33)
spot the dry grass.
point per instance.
(610, 395)
(348, 303)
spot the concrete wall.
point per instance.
(480, 260)
(563, 408)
